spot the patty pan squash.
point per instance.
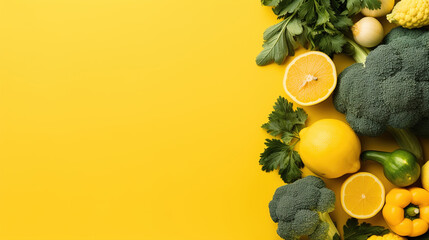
(330, 148)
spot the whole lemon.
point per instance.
(330, 148)
(425, 176)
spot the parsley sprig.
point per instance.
(354, 231)
(285, 124)
(314, 24)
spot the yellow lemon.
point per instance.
(362, 195)
(330, 148)
(425, 176)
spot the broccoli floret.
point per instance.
(302, 209)
(320, 231)
(305, 222)
(390, 89)
(327, 197)
(400, 32)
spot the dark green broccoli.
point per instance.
(302, 209)
(389, 89)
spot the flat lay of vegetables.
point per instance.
(386, 92)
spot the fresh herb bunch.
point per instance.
(314, 24)
(354, 231)
(284, 123)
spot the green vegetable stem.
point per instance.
(400, 166)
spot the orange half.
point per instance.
(310, 78)
(362, 195)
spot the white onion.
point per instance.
(368, 32)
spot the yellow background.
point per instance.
(138, 119)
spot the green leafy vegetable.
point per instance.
(336, 237)
(315, 24)
(285, 123)
(354, 231)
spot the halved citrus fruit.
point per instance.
(362, 195)
(310, 78)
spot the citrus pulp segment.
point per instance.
(310, 78)
(362, 195)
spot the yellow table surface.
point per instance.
(138, 119)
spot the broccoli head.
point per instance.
(390, 89)
(302, 209)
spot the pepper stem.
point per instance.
(377, 156)
(412, 211)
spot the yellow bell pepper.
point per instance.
(407, 211)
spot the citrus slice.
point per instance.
(310, 78)
(362, 195)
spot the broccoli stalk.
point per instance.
(332, 230)
(404, 137)
(359, 53)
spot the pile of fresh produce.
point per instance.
(386, 90)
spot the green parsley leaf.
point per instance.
(371, 4)
(283, 122)
(294, 27)
(274, 49)
(307, 12)
(323, 15)
(279, 42)
(342, 22)
(289, 169)
(331, 43)
(354, 231)
(280, 156)
(354, 6)
(270, 3)
(285, 7)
